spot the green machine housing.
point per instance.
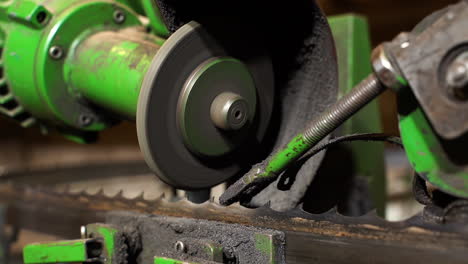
(75, 65)
(78, 66)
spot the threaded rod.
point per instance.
(346, 107)
(319, 128)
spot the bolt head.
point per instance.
(119, 16)
(229, 111)
(56, 52)
(385, 70)
(85, 120)
(457, 77)
(179, 246)
(404, 45)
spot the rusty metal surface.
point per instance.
(309, 237)
(159, 235)
(423, 56)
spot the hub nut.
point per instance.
(229, 111)
(216, 106)
(457, 77)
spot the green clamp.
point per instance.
(161, 260)
(71, 251)
(98, 247)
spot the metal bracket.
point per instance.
(188, 240)
(29, 13)
(98, 246)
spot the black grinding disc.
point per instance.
(160, 139)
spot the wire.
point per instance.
(367, 137)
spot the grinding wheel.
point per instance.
(169, 150)
(298, 39)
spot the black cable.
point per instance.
(367, 137)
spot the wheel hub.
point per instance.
(216, 106)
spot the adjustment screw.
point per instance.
(363, 93)
(56, 52)
(386, 72)
(179, 246)
(85, 120)
(457, 77)
(119, 16)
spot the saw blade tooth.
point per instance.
(181, 198)
(167, 206)
(141, 196)
(372, 219)
(207, 203)
(371, 213)
(64, 188)
(333, 211)
(372, 216)
(300, 206)
(84, 192)
(264, 208)
(161, 197)
(186, 202)
(96, 195)
(68, 190)
(163, 202)
(100, 192)
(212, 203)
(413, 220)
(119, 195)
(80, 193)
(298, 212)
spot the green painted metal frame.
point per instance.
(426, 153)
(151, 10)
(353, 45)
(265, 244)
(36, 79)
(162, 260)
(74, 251)
(107, 68)
(36, 86)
